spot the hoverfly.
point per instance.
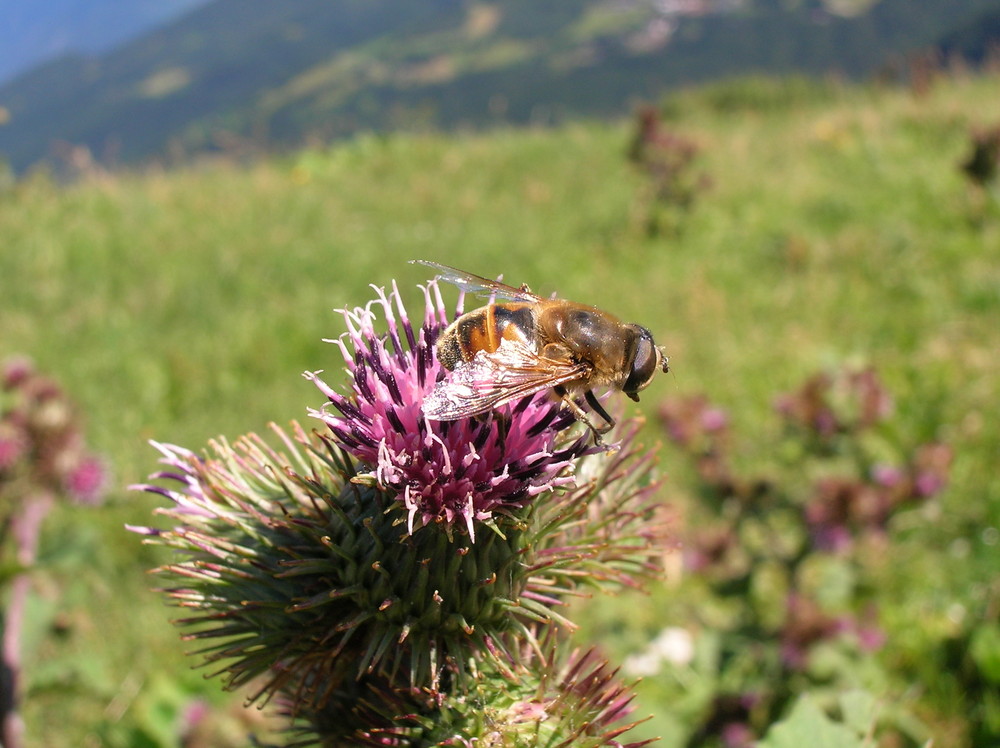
(520, 344)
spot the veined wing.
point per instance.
(476, 284)
(511, 372)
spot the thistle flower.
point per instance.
(455, 473)
(829, 404)
(562, 699)
(14, 371)
(347, 572)
(13, 445)
(299, 573)
(729, 717)
(931, 465)
(42, 458)
(805, 625)
(694, 424)
(87, 480)
(738, 735)
(42, 449)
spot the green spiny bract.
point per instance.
(403, 579)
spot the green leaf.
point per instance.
(860, 710)
(809, 725)
(985, 651)
(831, 580)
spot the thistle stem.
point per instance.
(26, 529)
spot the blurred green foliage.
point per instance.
(781, 587)
(178, 306)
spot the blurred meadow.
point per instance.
(834, 227)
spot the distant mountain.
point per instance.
(976, 40)
(278, 74)
(34, 31)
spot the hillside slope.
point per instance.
(279, 74)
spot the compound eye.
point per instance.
(644, 365)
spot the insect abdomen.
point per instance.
(483, 330)
(449, 348)
(514, 322)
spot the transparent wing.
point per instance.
(476, 284)
(491, 379)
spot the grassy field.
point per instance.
(178, 306)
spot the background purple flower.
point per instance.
(87, 480)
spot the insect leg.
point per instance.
(595, 404)
(581, 415)
(503, 426)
